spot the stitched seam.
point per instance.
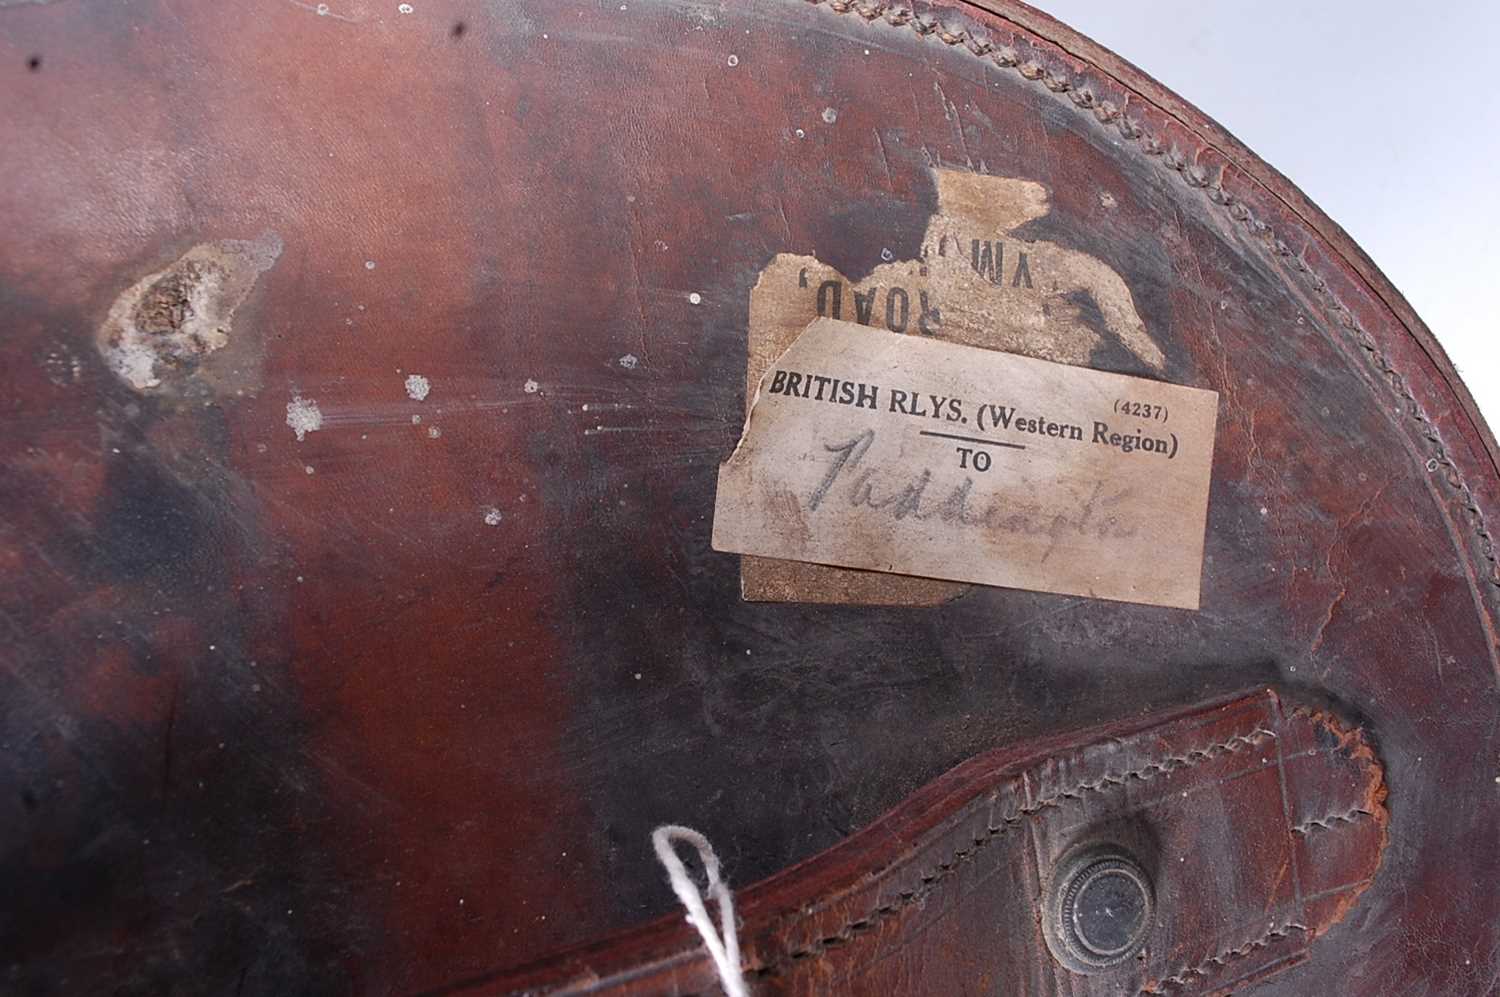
(1326, 823)
(936, 874)
(1217, 963)
(1006, 57)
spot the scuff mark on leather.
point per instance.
(162, 327)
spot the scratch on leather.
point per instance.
(939, 872)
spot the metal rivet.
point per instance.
(1100, 909)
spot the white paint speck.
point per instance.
(531, 387)
(1106, 199)
(309, 469)
(433, 432)
(629, 361)
(369, 264)
(695, 298)
(734, 60)
(887, 255)
(830, 115)
(492, 516)
(321, 9)
(404, 8)
(800, 133)
(1264, 511)
(303, 416)
(417, 387)
(416, 420)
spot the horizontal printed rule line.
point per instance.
(974, 439)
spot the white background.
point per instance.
(1384, 113)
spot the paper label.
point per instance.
(984, 276)
(903, 454)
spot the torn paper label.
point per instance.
(908, 455)
(981, 278)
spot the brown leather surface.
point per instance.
(1259, 827)
(295, 716)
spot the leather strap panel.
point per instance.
(1258, 825)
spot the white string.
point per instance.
(726, 950)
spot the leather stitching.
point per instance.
(1327, 823)
(1216, 963)
(936, 874)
